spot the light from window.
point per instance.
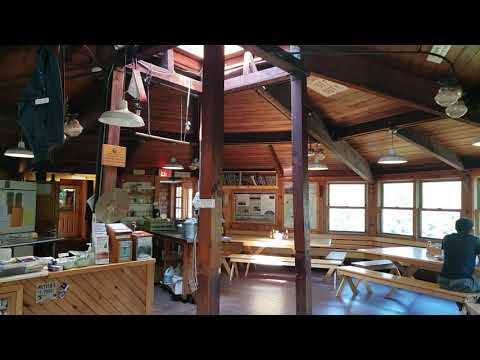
(397, 208)
(178, 202)
(346, 207)
(190, 203)
(441, 204)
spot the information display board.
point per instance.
(255, 207)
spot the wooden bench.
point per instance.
(380, 264)
(401, 282)
(331, 265)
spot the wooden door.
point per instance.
(72, 208)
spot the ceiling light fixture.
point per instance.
(173, 165)
(317, 165)
(456, 110)
(448, 95)
(476, 142)
(195, 164)
(20, 151)
(392, 157)
(122, 117)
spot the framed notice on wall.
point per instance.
(255, 208)
(288, 204)
(113, 155)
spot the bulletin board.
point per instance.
(255, 207)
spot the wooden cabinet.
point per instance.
(11, 300)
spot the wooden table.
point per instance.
(413, 257)
(261, 243)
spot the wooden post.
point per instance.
(303, 284)
(109, 176)
(211, 171)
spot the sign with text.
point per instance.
(165, 172)
(113, 155)
(182, 174)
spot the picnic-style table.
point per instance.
(414, 258)
(262, 243)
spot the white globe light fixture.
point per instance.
(456, 110)
(447, 95)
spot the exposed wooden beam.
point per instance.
(276, 161)
(109, 174)
(147, 51)
(341, 149)
(402, 120)
(359, 72)
(318, 130)
(301, 218)
(277, 57)
(258, 138)
(210, 180)
(427, 144)
(170, 78)
(255, 79)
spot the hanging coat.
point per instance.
(40, 109)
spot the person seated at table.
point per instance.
(460, 252)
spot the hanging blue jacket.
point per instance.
(42, 121)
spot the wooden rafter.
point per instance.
(318, 130)
(427, 144)
(276, 161)
(147, 51)
(359, 72)
(255, 79)
(402, 120)
(277, 57)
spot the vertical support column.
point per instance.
(211, 173)
(109, 176)
(468, 196)
(303, 283)
(372, 209)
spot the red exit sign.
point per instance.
(165, 173)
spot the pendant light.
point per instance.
(456, 110)
(122, 117)
(392, 157)
(476, 142)
(173, 165)
(20, 151)
(448, 95)
(195, 164)
(316, 165)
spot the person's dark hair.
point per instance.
(463, 226)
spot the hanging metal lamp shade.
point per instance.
(392, 158)
(316, 165)
(122, 117)
(20, 151)
(173, 165)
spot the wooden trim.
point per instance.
(255, 79)
(277, 57)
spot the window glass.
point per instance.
(398, 195)
(341, 219)
(351, 195)
(437, 224)
(397, 222)
(442, 195)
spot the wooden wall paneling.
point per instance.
(210, 181)
(303, 281)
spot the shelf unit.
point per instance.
(141, 198)
(249, 179)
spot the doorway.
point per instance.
(72, 202)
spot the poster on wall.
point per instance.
(255, 207)
(288, 205)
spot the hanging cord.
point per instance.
(187, 123)
(181, 117)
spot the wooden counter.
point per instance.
(112, 289)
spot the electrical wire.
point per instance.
(187, 127)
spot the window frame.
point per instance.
(328, 207)
(382, 207)
(420, 206)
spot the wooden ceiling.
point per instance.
(248, 112)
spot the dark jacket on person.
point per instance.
(460, 251)
(42, 124)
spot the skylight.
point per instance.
(197, 50)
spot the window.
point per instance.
(346, 207)
(178, 202)
(441, 204)
(190, 203)
(397, 208)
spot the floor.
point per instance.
(271, 291)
